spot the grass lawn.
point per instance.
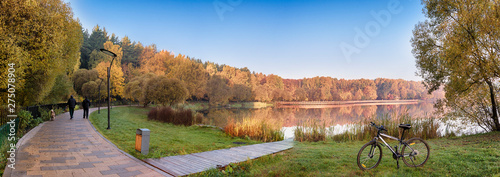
(476, 155)
(166, 139)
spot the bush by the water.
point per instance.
(176, 117)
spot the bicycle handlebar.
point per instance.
(378, 127)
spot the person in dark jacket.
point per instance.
(86, 105)
(71, 105)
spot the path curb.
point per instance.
(125, 153)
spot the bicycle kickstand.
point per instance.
(397, 162)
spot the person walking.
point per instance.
(71, 105)
(86, 105)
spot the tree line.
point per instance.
(56, 58)
(146, 74)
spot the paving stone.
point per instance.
(114, 171)
(58, 160)
(67, 147)
(79, 166)
(130, 173)
(123, 166)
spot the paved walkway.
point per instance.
(68, 148)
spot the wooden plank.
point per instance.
(249, 154)
(238, 157)
(173, 165)
(201, 162)
(224, 154)
(194, 163)
(214, 157)
(258, 149)
(162, 167)
(186, 164)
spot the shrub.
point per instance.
(25, 118)
(4, 147)
(176, 117)
(45, 114)
(35, 122)
(58, 111)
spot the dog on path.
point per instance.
(52, 115)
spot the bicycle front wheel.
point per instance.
(369, 156)
(416, 152)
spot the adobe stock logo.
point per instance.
(223, 7)
(362, 38)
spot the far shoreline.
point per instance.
(330, 104)
(347, 102)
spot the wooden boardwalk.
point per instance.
(194, 163)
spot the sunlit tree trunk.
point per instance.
(494, 116)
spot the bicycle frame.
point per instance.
(379, 136)
(386, 144)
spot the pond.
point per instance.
(339, 117)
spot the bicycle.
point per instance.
(414, 152)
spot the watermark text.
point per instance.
(11, 106)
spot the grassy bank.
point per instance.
(166, 139)
(475, 155)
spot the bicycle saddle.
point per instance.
(405, 126)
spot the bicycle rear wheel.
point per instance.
(416, 152)
(369, 155)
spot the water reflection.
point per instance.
(340, 118)
(331, 115)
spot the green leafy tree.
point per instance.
(241, 93)
(97, 38)
(218, 90)
(457, 46)
(82, 76)
(92, 43)
(191, 73)
(128, 51)
(167, 91)
(85, 50)
(136, 89)
(43, 40)
(60, 91)
(90, 90)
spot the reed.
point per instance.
(422, 127)
(177, 117)
(311, 131)
(261, 129)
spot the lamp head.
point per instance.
(107, 52)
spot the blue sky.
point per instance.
(293, 39)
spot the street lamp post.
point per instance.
(99, 96)
(107, 52)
